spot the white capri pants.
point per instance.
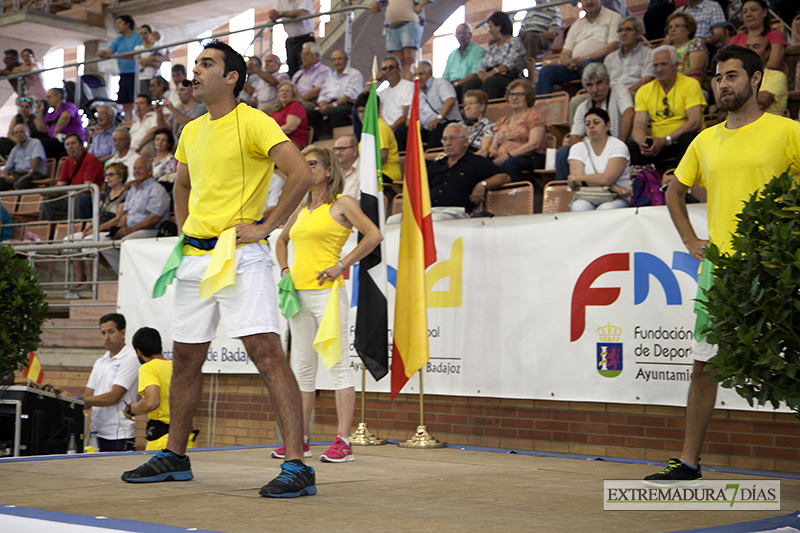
(304, 326)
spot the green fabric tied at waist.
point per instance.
(170, 267)
(287, 297)
(705, 283)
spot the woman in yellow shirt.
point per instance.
(318, 231)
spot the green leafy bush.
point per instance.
(23, 309)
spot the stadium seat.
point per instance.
(514, 198)
(557, 197)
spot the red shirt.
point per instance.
(91, 170)
(300, 135)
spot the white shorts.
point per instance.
(304, 326)
(247, 308)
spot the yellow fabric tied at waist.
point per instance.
(221, 271)
(328, 341)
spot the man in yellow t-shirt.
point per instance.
(155, 376)
(732, 160)
(673, 105)
(225, 164)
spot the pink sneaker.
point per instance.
(280, 451)
(339, 452)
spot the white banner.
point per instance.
(592, 306)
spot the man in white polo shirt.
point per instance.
(113, 383)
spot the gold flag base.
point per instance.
(364, 437)
(422, 439)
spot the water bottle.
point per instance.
(72, 446)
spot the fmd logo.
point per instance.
(609, 351)
(644, 266)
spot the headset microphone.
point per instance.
(186, 83)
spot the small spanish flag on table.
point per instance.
(34, 370)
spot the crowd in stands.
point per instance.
(640, 91)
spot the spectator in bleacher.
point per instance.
(34, 83)
(144, 126)
(158, 88)
(261, 89)
(390, 152)
(632, 65)
(437, 104)
(146, 206)
(65, 117)
(519, 142)
(692, 52)
(298, 33)
(673, 104)
(504, 60)
(290, 115)
(459, 180)
(405, 22)
(24, 116)
(463, 62)
(11, 61)
(311, 76)
(126, 41)
(102, 138)
(614, 100)
(165, 166)
(80, 167)
(599, 161)
(6, 228)
(188, 109)
(124, 154)
(481, 129)
(773, 93)
(710, 21)
(590, 39)
(26, 162)
(757, 22)
(335, 100)
(178, 75)
(539, 30)
(110, 215)
(149, 63)
(655, 18)
(396, 100)
(346, 150)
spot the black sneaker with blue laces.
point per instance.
(164, 466)
(295, 479)
(676, 474)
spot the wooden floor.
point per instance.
(386, 488)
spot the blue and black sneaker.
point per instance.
(676, 474)
(164, 466)
(295, 479)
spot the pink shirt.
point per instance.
(773, 36)
(300, 135)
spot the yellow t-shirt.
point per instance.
(229, 185)
(686, 93)
(733, 164)
(157, 372)
(317, 241)
(391, 168)
(775, 82)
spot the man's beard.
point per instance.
(739, 99)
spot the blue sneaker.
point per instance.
(163, 466)
(295, 479)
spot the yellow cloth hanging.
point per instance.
(221, 271)
(328, 341)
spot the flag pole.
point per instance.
(422, 439)
(363, 436)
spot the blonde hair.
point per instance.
(336, 179)
(295, 94)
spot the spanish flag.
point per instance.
(33, 370)
(417, 252)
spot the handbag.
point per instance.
(594, 195)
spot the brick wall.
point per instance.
(764, 441)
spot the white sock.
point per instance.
(346, 440)
(305, 439)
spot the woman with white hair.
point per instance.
(290, 115)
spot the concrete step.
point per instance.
(71, 333)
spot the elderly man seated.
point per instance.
(346, 150)
(463, 62)
(335, 100)
(146, 206)
(437, 104)
(144, 126)
(311, 76)
(673, 105)
(632, 65)
(614, 100)
(102, 137)
(124, 154)
(26, 162)
(261, 89)
(459, 179)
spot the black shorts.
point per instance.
(126, 94)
